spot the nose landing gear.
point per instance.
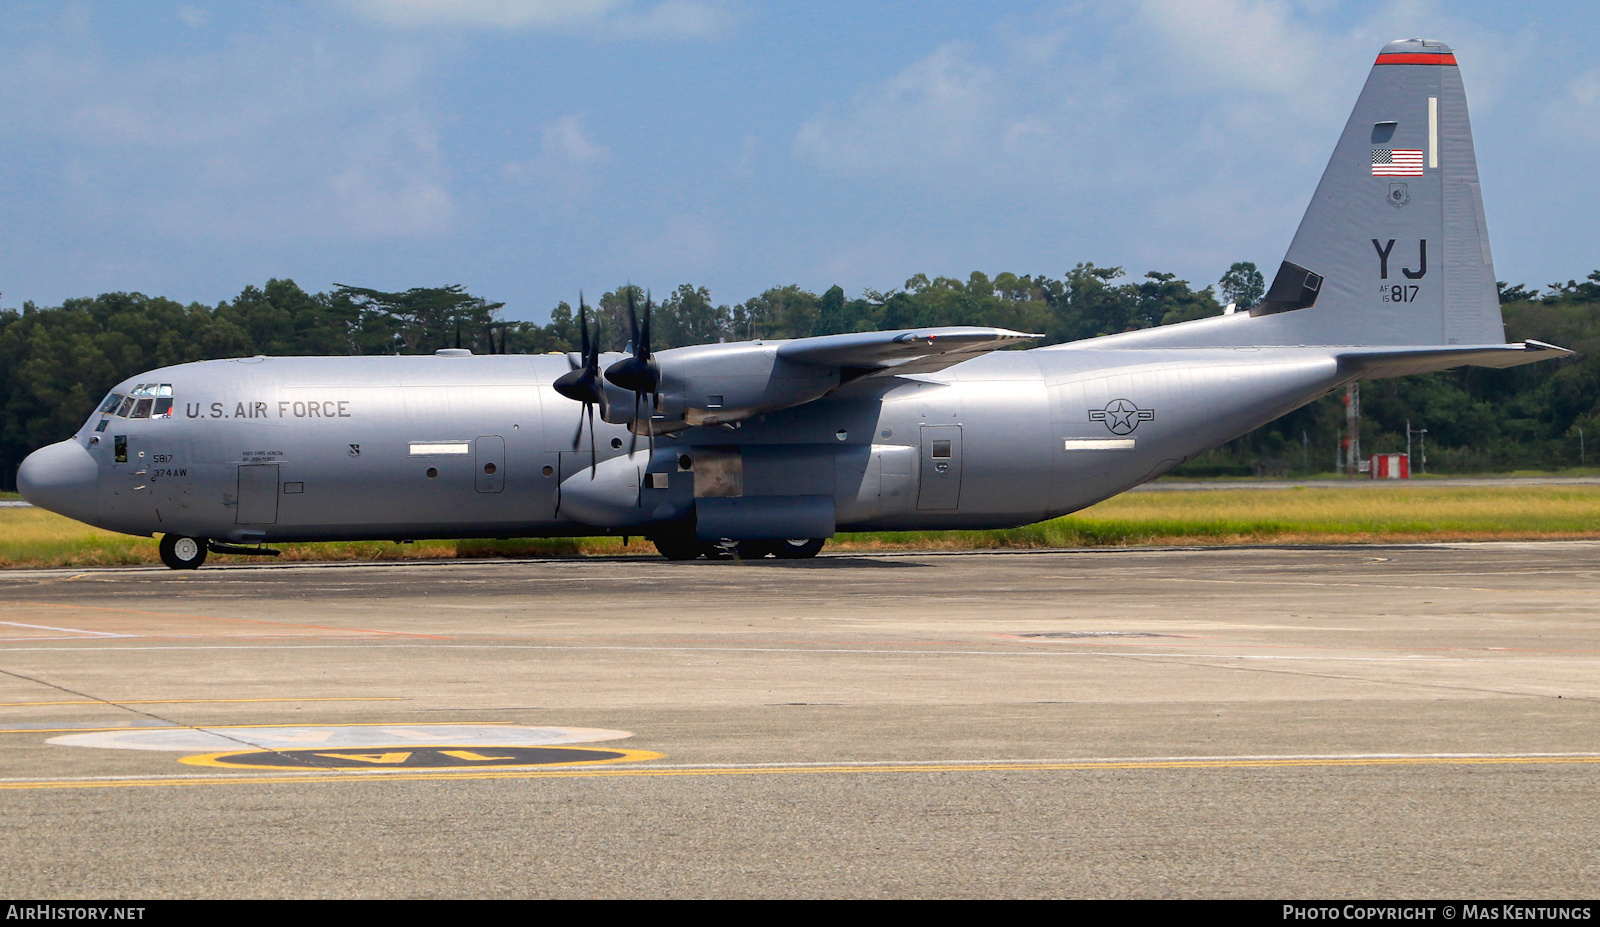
(183, 553)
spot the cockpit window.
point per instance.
(146, 400)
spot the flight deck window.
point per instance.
(163, 396)
(141, 409)
(125, 407)
(112, 401)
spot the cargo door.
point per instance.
(490, 453)
(258, 495)
(940, 485)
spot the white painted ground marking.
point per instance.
(46, 627)
(289, 738)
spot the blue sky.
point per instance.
(529, 148)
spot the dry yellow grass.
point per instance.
(34, 537)
(1292, 516)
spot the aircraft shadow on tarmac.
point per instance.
(835, 562)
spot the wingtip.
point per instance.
(1532, 345)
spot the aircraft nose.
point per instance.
(60, 477)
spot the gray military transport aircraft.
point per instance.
(775, 445)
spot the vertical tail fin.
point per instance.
(1393, 248)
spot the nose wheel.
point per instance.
(182, 553)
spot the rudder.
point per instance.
(1393, 248)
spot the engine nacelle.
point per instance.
(628, 492)
(710, 384)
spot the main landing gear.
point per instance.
(183, 553)
(790, 549)
(688, 547)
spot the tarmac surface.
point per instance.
(1311, 722)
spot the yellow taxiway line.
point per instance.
(656, 772)
(200, 701)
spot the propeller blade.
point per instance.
(582, 383)
(633, 322)
(642, 345)
(651, 434)
(583, 325)
(633, 434)
(578, 435)
(594, 456)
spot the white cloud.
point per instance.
(273, 139)
(1169, 124)
(1576, 113)
(940, 110)
(564, 167)
(1254, 46)
(566, 139)
(628, 18)
(193, 17)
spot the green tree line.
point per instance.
(56, 363)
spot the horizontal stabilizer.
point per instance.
(1373, 363)
(921, 350)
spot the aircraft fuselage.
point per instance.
(347, 448)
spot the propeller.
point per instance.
(639, 373)
(582, 383)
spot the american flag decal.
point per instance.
(1397, 162)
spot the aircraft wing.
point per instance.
(920, 350)
(722, 384)
(1374, 363)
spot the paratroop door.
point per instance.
(258, 495)
(940, 485)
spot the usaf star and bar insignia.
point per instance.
(1121, 416)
